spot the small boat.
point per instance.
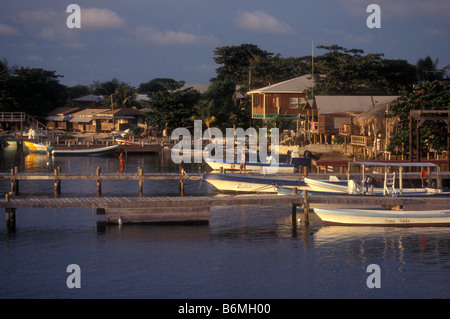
(327, 186)
(380, 217)
(264, 168)
(36, 147)
(122, 141)
(366, 186)
(254, 184)
(92, 151)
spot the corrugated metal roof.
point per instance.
(349, 104)
(296, 85)
(57, 118)
(81, 119)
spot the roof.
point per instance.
(122, 111)
(332, 104)
(89, 98)
(201, 88)
(63, 110)
(88, 112)
(296, 85)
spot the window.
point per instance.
(297, 102)
(294, 102)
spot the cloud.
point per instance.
(435, 32)
(153, 36)
(6, 30)
(95, 18)
(260, 21)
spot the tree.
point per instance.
(426, 96)
(106, 88)
(204, 109)
(427, 70)
(31, 90)
(173, 108)
(243, 64)
(124, 96)
(155, 85)
(343, 71)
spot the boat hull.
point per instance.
(85, 152)
(322, 186)
(35, 147)
(253, 184)
(374, 217)
(264, 168)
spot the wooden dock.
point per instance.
(14, 177)
(173, 209)
(181, 209)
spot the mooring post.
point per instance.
(306, 206)
(99, 182)
(181, 182)
(294, 209)
(14, 182)
(57, 183)
(141, 182)
(10, 214)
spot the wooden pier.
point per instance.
(174, 209)
(180, 209)
(57, 177)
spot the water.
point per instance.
(245, 252)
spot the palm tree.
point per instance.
(427, 70)
(204, 109)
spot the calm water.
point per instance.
(245, 252)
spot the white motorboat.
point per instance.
(380, 217)
(247, 183)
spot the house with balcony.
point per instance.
(286, 98)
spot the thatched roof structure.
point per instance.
(375, 116)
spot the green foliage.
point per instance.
(427, 96)
(338, 140)
(137, 131)
(173, 108)
(343, 71)
(31, 90)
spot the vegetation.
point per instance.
(426, 96)
(243, 67)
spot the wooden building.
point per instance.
(328, 116)
(285, 98)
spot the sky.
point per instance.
(136, 41)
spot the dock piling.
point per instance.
(141, 182)
(10, 214)
(306, 206)
(181, 182)
(14, 182)
(99, 182)
(57, 182)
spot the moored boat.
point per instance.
(265, 168)
(36, 147)
(246, 183)
(379, 217)
(91, 151)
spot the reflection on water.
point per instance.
(245, 251)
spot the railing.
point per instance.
(24, 117)
(358, 140)
(345, 129)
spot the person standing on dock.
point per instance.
(242, 166)
(122, 163)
